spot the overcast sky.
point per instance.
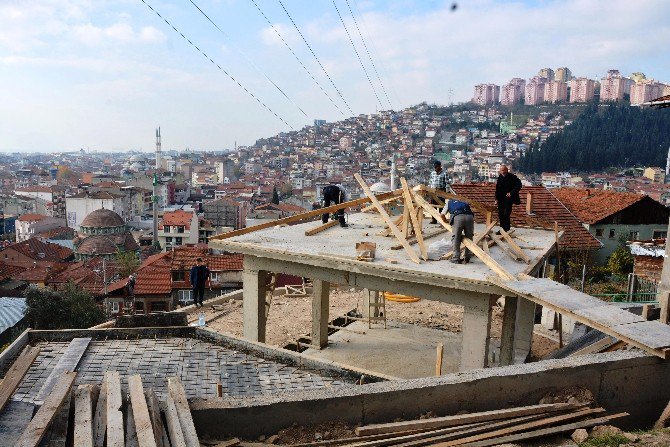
(102, 74)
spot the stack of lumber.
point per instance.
(98, 416)
(488, 428)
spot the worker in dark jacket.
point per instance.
(334, 195)
(507, 194)
(199, 276)
(462, 221)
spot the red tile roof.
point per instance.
(8, 271)
(546, 209)
(32, 217)
(152, 278)
(41, 251)
(593, 205)
(179, 217)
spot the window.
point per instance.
(633, 235)
(177, 241)
(178, 276)
(115, 307)
(168, 240)
(166, 228)
(180, 229)
(659, 234)
(612, 233)
(214, 276)
(185, 297)
(599, 232)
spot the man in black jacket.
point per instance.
(507, 194)
(198, 277)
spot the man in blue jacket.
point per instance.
(199, 276)
(462, 221)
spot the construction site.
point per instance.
(381, 341)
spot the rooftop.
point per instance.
(593, 205)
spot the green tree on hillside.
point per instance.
(68, 308)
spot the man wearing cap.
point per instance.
(438, 180)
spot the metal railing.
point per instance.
(642, 298)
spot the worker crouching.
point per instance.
(462, 221)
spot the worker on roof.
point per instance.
(439, 181)
(508, 186)
(462, 221)
(334, 195)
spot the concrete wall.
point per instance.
(609, 245)
(620, 381)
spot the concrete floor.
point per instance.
(402, 350)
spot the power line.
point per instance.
(357, 55)
(368, 53)
(296, 57)
(256, 67)
(217, 65)
(316, 58)
(375, 51)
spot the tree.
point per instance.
(620, 262)
(68, 308)
(275, 195)
(127, 262)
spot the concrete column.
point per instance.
(508, 329)
(254, 284)
(664, 287)
(523, 330)
(476, 332)
(320, 305)
(370, 296)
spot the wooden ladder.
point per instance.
(376, 302)
(269, 291)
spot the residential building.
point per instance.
(32, 251)
(612, 86)
(556, 91)
(178, 228)
(30, 225)
(645, 91)
(648, 258)
(546, 73)
(615, 217)
(225, 171)
(582, 89)
(563, 74)
(534, 94)
(225, 212)
(81, 205)
(53, 196)
(655, 174)
(512, 92)
(486, 94)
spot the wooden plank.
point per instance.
(460, 419)
(609, 315)
(145, 432)
(173, 424)
(396, 232)
(321, 228)
(478, 238)
(37, 427)
(514, 246)
(115, 433)
(160, 436)
(651, 333)
(663, 419)
(131, 430)
(57, 433)
(15, 374)
(67, 362)
(387, 231)
(406, 227)
(100, 417)
(383, 202)
(534, 434)
(178, 393)
(83, 416)
(304, 216)
(594, 347)
(504, 248)
(427, 235)
(409, 204)
(228, 443)
(438, 360)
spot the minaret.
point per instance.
(158, 148)
(154, 198)
(393, 172)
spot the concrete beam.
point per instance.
(508, 331)
(523, 329)
(320, 305)
(477, 317)
(254, 286)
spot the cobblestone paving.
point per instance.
(199, 365)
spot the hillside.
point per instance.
(602, 137)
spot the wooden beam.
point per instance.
(303, 216)
(478, 238)
(36, 428)
(83, 416)
(321, 228)
(406, 227)
(409, 204)
(173, 425)
(143, 427)
(396, 232)
(100, 417)
(131, 430)
(387, 231)
(426, 236)
(178, 393)
(115, 432)
(67, 362)
(156, 421)
(460, 419)
(504, 248)
(438, 360)
(15, 374)
(383, 202)
(514, 246)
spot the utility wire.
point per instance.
(368, 53)
(217, 65)
(316, 58)
(256, 67)
(385, 71)
(357, 55)
(296, 57)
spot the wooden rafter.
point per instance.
(409, 205)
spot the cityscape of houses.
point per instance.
(560, 86)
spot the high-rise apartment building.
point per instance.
(645, 90)
(535, 91)
(612, 86)
(546, 73)
(512, 92)
(582, 89)
(637, 76)
(563, 74)
(486, 94)
(556, 91)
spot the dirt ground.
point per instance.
(290, 317)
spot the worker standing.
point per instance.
(507, 195)
(199, 276)
(462, 221)
(438, 181)
(334, 195)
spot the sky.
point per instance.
(103, 74)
